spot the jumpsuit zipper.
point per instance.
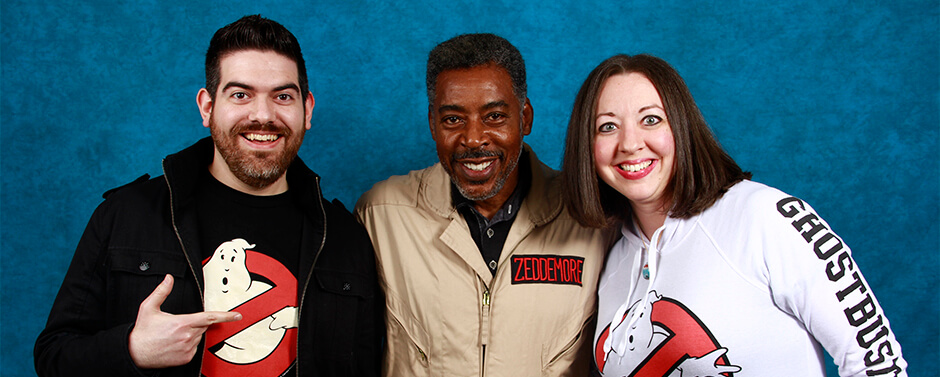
(485, 329)
(485, 325)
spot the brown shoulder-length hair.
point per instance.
(703, 171)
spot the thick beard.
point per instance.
(256, 169)
(500, 181)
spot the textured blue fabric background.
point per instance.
(833, 102)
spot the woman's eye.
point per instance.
(652, 120)
(606, 127)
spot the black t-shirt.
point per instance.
(251, 252)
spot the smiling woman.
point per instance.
(634, 150)
(696, 233)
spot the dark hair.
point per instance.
(703, 171)
(473, 50)
(252, 33)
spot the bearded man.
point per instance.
(238, 226)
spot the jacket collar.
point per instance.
(542, 202)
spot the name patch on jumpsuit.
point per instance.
(547, 269)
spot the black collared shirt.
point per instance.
(490, 234)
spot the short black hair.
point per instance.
(473, 50)
(252, 33)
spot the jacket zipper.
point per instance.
(485, 328)
(485, 325)
(189, 262)
(316, 256)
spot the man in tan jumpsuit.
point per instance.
(484, 271)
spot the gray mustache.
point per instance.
(476, 154)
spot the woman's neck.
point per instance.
(649, 217)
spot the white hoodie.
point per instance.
(750, 287)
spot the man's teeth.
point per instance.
(636, 167)
(478, 167)
(261, 137)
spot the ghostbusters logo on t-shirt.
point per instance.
(264, 341)
(666, 339)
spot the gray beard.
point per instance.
(500, 181)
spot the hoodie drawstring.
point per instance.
(619, 334)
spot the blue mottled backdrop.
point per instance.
(831, 101)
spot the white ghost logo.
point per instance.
(643, 337)
(228, 285)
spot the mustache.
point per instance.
(476, 154)
(260, 127)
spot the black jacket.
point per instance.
(148, 229)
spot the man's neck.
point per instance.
(489, 207)
(520, 179)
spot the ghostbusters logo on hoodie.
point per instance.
(662, 338)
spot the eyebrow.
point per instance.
(610, 114)
(642, 109)
(286, 87)
(495, 104)
(444, 108)
(236, 84)
(487, 106)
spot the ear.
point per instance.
(526, 118)
(204, 102)
(308, 108)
